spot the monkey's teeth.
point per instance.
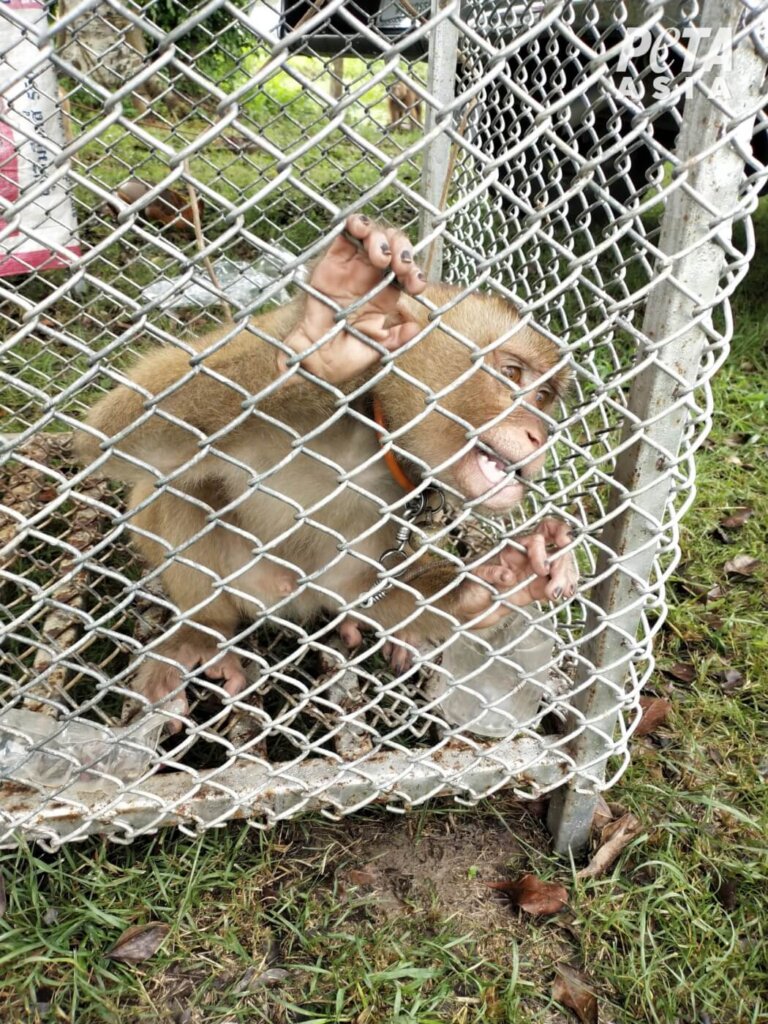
(492, 469)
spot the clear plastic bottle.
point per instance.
(492, 681)
(39, 750)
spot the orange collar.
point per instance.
(392, 464)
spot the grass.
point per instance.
(272, 926)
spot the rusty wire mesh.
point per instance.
(541, 175)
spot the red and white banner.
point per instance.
(37, 220)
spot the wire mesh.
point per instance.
(542, 153)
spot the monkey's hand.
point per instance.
(345, 274)
(157, 680)
(541, 571)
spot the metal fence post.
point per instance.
(443, 56)
(697, 225)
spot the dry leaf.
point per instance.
(685, 673)
(3, 900)
(737, 519)
(616, 835)
(715, 593)
(732, 680)
(726, 893)
(139, 942)
(253, 979)
(741, 565)
(357, 877)
(715, 622)
(532, 895)
(655, 711)
(573, 989)
(602, 816)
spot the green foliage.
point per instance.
(218, 27)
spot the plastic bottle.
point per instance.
(39, 750)
(491, 682)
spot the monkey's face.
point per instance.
(480, 416)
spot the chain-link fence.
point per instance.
(320, 606)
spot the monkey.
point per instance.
(404, 106)
(258, 480)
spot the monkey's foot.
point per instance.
(157, 680)
(350, 634)
(400, 652)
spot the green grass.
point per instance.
(674, 933)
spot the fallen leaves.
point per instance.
(615, 836)
(362, 876)
(139, 942)
(741, 565)
(730, 679)
(254, 979)
(654, 714)
(574, 989)
(740, 517)
(726, 893)
(532, 895)
(683, 672)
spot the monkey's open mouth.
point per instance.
(493, 467)
(488, 471)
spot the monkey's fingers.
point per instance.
(230, 669)
(400, 658)
(558, 533)
(388, 249)
(536, 546)
(564, 577)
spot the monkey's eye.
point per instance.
(543, 397)
(514, 373)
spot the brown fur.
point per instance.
(405, 107)
(299, 559)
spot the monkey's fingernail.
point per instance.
(558, 593)
(385, 249)
(364, 219)
(406, 256)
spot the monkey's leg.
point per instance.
(165, 526)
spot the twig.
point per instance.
(197, 223)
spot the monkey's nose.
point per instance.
(536, 440)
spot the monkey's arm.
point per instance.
(176, 399)
(535, 567)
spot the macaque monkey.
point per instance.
(258, 481)
(404, 106)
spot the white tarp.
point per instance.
(37, 221)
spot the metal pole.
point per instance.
(443, 56)
(676, 321)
